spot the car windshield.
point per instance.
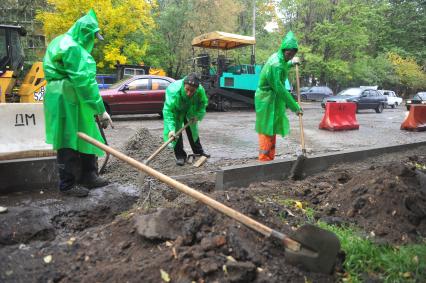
(422, 95)
(351, 91)
(117, 84)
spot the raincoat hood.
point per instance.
(289, 42)
(83, 31)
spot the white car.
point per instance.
(393, 99)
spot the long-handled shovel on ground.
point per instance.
(309, 246)
(104, 163)
(296, 172)
(142, 175)
(163, 146)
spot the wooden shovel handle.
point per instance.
(251, 223)
(302, 135)
(163, 146)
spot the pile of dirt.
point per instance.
(387, 201)
(188, 244)
(140, 147)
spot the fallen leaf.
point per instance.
(224, 269)
(3, 209)
(174, 253)
(169, 244)
(47, 259)
(298, 204)
(9, 272)
(71, 241)
(416, 259)
(230, 258)
(406, 274)
(165, 276)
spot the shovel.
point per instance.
(163, 146)
(104, 163)
(296, 172)
(311, 247)
(142, 175)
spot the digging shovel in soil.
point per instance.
(142, 174)
(311, 247)
(296, 172)
(104, 163)
(163, 146)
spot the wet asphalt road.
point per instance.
(231, 135)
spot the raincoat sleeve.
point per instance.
(169, 110)
(81, 70)
(202, 104)
(277, 84)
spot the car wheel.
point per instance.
(304, 97)
(379, 108)
(356, 109)
(408, 107)
(161, 115)
(393, 106)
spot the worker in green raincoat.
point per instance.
(71, 103)
(272, 98)
(186, 100)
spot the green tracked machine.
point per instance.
(227, 84)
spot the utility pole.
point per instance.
(253, 48)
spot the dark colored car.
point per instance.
(316, 93)
(364, 98)
(136, 95)
(105, 81)
(419, 98)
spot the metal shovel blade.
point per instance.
(319, 249)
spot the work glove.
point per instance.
(295, 61)
(299, 112)
(105, 120)
(171, 134)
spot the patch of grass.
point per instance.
(390, 264)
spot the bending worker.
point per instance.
(186, 100)
(272, 98)
(71, 103)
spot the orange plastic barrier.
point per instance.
(416, 119)
(339, 116)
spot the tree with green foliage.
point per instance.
(125, 25)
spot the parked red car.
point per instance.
(136, 95)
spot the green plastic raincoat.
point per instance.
(272, 98)
(72, 95)
(179, 106)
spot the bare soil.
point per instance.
(167, 231)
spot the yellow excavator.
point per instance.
(32, 88)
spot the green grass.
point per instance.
(390, 264)
(384, 262)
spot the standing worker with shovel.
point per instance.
(272, 98)
(186, 101)
(72, 100)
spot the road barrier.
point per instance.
(416, 119)
(339, 116)
(22, 131)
